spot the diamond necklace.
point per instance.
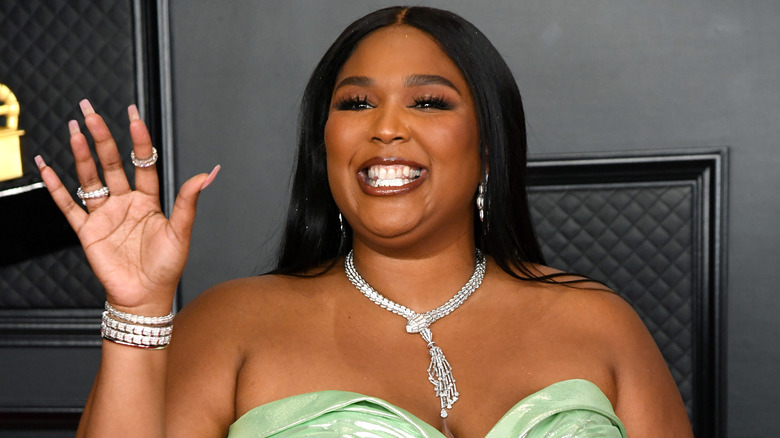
(439, 371)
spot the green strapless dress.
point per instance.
(571, 408)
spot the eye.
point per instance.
(432, 102)
(353, 103)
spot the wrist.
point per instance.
(149, 332)
(135, 318)
(148, 308)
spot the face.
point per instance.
(402, 140)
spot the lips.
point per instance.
(390, 175)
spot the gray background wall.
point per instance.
(597, 76)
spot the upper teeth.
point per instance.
(391, 176)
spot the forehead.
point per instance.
(400, 51)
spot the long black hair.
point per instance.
(314, 238)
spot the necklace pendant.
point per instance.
(416, 324)
(440, 374)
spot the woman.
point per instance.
(403, 120)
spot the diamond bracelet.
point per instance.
(141, 341)
(136, 329)
(149, 332)
(137, 319)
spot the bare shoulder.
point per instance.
(646, 397)
(210, 341)
(231, 298)
(242, 301)
(586, 302)
(592, 307)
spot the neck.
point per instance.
(420, 280)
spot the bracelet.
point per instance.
(136, 329)
(148, 342)
(148, 320)
(150, 332)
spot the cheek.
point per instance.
(340, 133)
(337, 153)
(458, 144)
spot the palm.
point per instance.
(135, 251)
(128, 241)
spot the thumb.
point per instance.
(183, 214)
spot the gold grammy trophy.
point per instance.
(10, 144)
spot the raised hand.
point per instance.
(135, 251)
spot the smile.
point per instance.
(395, 175)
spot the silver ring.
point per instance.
(144, 162)
(99, 193)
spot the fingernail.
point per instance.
(211, 177)
(39, 162)
(73, 127)
(86, 107)
(132, 111)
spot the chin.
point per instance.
(386, 229)
(390, 231)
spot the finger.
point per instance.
(85, 165)
(183, 214)
(110, 161)
(73, 213)
(145, 177)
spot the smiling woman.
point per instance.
(393, 221)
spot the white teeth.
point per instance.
(396, 182)
(392, 176)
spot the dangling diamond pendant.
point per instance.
(440, 374)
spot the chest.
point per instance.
(495, 365)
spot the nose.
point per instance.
(390, 125)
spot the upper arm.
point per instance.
(203, 362)
(648, 400)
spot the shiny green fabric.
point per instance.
(571, 408)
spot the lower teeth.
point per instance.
(397, 182)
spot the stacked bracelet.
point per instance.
(152, 332)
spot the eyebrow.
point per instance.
(361, 81)
(414, 80)
(417, 80)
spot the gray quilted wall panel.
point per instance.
(53, 54)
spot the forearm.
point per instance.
(128, 397)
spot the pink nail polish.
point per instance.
(39, 162)
(211, 177)
(86, 107)
(132, 112)
(73, 127)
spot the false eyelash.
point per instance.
(353, 103)
(432, 102)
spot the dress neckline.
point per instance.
(567, 394)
